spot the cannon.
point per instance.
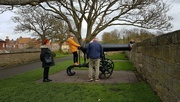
(106, 65)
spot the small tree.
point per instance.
(60, 32)
(40, 23)
(113, 37)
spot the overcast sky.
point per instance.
(7, 25)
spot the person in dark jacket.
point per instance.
(131, 42)
(94, 53)
(46, 59)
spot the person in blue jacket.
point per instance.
(94, 53)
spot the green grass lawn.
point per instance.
(25, 88)
(117, 56)
(123, 63)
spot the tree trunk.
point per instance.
(60, 46)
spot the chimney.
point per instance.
(7, 39)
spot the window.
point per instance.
(3, 45)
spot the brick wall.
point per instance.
(2, 45)
(16, 57)
(158, 61)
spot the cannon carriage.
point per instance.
(106, 65)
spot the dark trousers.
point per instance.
(75, 57)
(46, 73)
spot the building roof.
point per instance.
(65, 43)
(24, 40)
(2, 40)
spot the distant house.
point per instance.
(20, 43)
(10, 44)
(23, 43)
(35, 43)
(65, 47)
(54, 46)
(2, 44)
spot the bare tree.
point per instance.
(60, 32)
(113, 37)
(106, 37)
(144, 34)
(100, 14)
(137, 34)
(4, 8)
(39, 22)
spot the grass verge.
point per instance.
(24, 88)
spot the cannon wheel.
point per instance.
(68, 71)
(106, 68)
(71, 73)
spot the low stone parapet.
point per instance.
(158, 61)
(15, 57)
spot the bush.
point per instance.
(54, 54)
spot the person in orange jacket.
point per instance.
(73, 46)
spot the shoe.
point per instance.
(90, 80)
(47, 80)
(76, 63)
(97, 80)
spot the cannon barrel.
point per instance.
(109, 47)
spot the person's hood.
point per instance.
(43, 46)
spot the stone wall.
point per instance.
(16, 57)
(158, 61)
